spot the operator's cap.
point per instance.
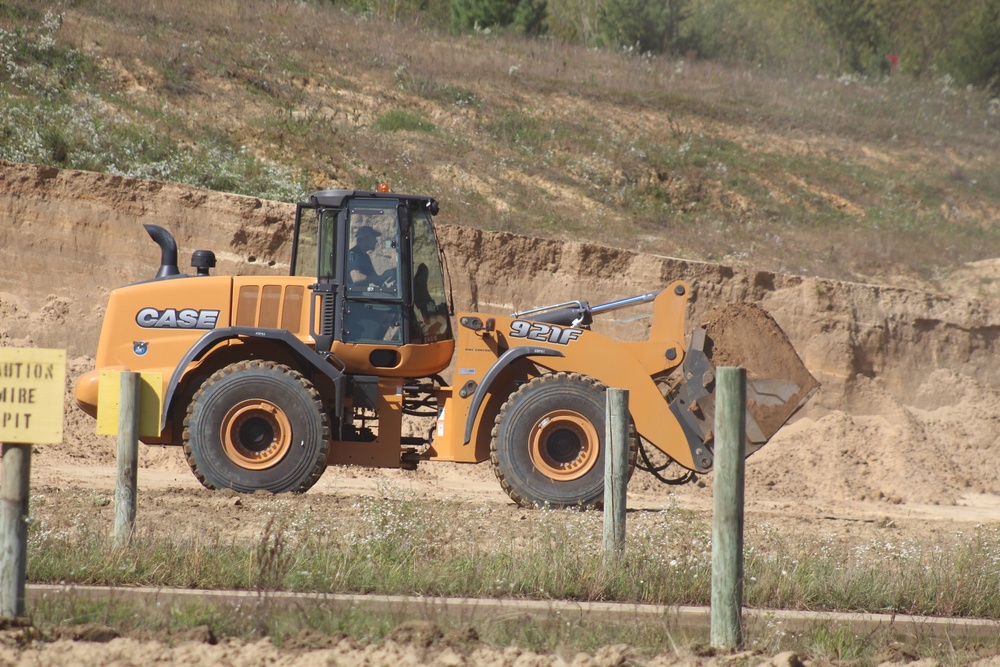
(366, 231)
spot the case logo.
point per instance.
(171, 318)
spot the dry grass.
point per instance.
(396, 542)
(890, 180)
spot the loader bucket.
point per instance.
(778, 383)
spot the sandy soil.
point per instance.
(122, 652)
(902, 432)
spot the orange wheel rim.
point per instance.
(564, 445)
(256, 434)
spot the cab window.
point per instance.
(373, 310)
(372, 269)
(430, 298)
(316, 250)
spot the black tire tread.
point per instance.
(549, 378)
(223, 375)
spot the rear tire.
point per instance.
(548, 442)
(257, 425)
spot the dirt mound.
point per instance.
(938, 448)
(127, 651)
(78, 235)
(909, 403)
(778, 384)
(979, 279)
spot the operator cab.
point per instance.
(380, 283)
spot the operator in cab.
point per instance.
(360, 269)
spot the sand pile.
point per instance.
(936, 449)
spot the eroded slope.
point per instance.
(910, 397)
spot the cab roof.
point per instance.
(336, 198)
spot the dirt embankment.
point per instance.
(910, 399)
(846, 333)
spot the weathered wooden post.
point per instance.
(615, 471)
(31, 412)
(128, 406)
(14, 528)
(727, 518)
(128, 458)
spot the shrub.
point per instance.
(647, 25)
(854, 29)
(524, 16)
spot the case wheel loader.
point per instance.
(267, 380)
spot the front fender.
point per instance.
(622, 365)
(652, 416)
(502, 362)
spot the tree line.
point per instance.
(927, 38)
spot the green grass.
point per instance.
(56, 110)
(399, 119)
(59, 135)
(430, 89)
(398, 545)
(516, 129)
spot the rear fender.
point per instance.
(302, 352)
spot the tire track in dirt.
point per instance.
(680, 620)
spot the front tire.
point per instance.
(257, 425)
(548, 442)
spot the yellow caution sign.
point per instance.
(32, 387)
(109, 401)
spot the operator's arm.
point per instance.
(361, 271)
(360, 277)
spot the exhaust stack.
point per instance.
(168, 251)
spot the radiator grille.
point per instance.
(328, 314)
(270, 307)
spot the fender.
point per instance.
(502, 362)
(302, 352)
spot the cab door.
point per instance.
(374, 295)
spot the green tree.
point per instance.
(974, 56)
(772, 33)
(649, 25)
(854, 28)
(530, 17)
(918, 32)
(526, 16)
(574, 21)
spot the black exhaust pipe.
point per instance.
(168, 251)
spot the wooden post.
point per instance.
(615, 470)
(727, 518)
(14, 528)
(128, 458)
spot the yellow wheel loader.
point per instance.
(267, 380)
